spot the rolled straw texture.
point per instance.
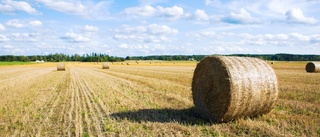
(105, 66)
(225, 88)
(313, 67)
(61, 67)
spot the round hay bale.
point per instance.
(225, 88)
(313, 67)
(61, 67)
(105, 65)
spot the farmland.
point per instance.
(145, 99)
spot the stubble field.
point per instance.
(141, 100)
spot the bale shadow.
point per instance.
(183, 116)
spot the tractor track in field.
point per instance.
(56, 108)
(89, 110)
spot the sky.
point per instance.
(159, 27)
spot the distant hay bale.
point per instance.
(313, 67)
(225, 88)
(105, 65)
(61, 67)
(272, 62)
(128, 63)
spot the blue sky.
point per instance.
(159, 27)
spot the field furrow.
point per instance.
(91, 106)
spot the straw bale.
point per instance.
(61, 67)
(105, 65)
(313, 67)
(226, 88)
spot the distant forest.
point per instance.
(99, 57)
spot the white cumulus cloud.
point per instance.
(243, 17)
(2, 28)
(35, 23)
(201, 15)
(63, 6)
(89, 28)
(152, 29)
(171, 12)
(296, 15)
(15, 23)
(161, 29)
(124, 46)
(149, 11)
(152, 33)
(11, 6)
(8, 47)
(3, 38)
(32, 37)
(75, 38)
(86, 9)
(145, 11)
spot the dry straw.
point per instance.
(61, 67)
(313, 67)
(225, 88)
(105, 65)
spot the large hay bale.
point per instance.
(61, 67)
(225, 88)
(105, 65)
(313, 67)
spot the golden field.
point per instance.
(152, 98)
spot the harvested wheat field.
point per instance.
(141, 99)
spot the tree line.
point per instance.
(282, 57)
(100, 57)
(275, 57)
(59, 57)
